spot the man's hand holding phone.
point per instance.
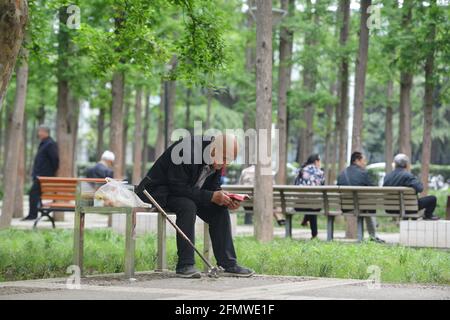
(221, 198)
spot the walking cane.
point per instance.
(212, 271)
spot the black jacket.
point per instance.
(354, 175)
(402, 178)
(168, 178)
(46, 162)
(99, 171)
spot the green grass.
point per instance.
(47, 253)
(441, 196)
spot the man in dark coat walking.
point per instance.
(45, 164)
(185, 180)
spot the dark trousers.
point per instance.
(312, 219)
(429, 204)
(248, 218)
(219, 222)
(35, 199)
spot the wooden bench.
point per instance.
(331, 201)
(58, 194)
(364, 202)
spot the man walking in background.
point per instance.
(45, 164)
(357, 175)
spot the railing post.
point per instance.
(360, 220)
(78, 239)
(330, 219)
(207, 247)
(130, 240)
(161, 252)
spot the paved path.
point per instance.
(150, 285)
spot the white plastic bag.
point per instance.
(115, 194)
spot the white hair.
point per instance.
(401, 160)
(108, 156)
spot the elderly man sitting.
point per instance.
(186, 180)
(402, 177)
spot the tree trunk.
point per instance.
(66, 133)
(125, 139)
(360, 85)
(328, 158)
(13, 19)
(66, 115)
(15, 136)
(116, 128)
(188, 108)
(33, 143)
(208, 109)
(2, 138)
(428, 106)
(100, 130)
(406, 82)
(342, 111)
(284, 83)
(263, 178)
(360, 78)
(169, 105)
(389, 152)
(250, 64)
(8, 123)
(145, 133)
(159, 145)
(309, 84)
(137, 164)
(18, 206)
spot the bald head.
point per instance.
(224, 149)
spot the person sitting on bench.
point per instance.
(185, 180)
(310, 174)
(357, 175)
(401, 177)
(102, 169)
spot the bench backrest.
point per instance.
(62, 189)
(335, 200)
(314, 199)
(388, 199)
(320, 199)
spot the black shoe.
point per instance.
(281, 222)
(188, 272)
(28, 218)
(238, 271)
(377, 240)
(433, 218)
